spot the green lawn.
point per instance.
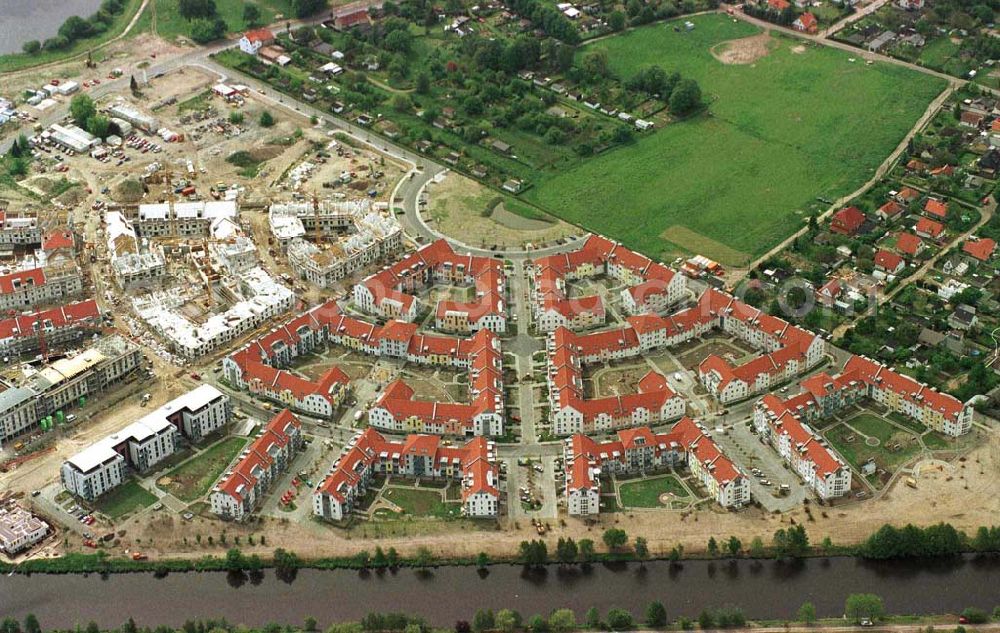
(193, 479)
(645, 493)
(124, 499)
(731, 184)
(422, 502)
(857, 452)
(170, 24)
(937, 442)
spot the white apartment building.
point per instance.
(19, 529)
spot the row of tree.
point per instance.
(77, 28)
(935, 540)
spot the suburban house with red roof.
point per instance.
(390, 293)
(936, 208)
(907, 195)
(351, 17)
(369, 453)
(252, 41)
(241, 489)
(829, 292)
(651, 287)
(847, 221)
(909, 244)
(980, 248)
(889, 210)
(61, 326)
(806, 23)
(928, 228)
(888, 262)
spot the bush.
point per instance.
(31, 47)
(975, 615)
(619, 620)
(266, 119)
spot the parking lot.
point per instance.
(776, 487)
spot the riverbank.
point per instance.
(765, 590)
(13, 62)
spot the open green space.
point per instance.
(936, 442)
(645, 493)
(418, 502)
(125, 498)
(795, 125)
(192, 480)
(170, 23)
(887, 454)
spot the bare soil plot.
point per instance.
(745, 50)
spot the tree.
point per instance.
(82, 108)
(309, 624)
(616, 20)
(593, 618)
(192, 9)
(534, 552)
(31, 624)
(402, 103)
(641, 548)
(266, 120)
(566, 550)
(483, 620)
(234, 560)
(860, 606)
(656, 614)
(620, 620)
(562, 620)
(423, 558)
(392, 557)
(423, 84)
(99, 126)
(204, 30)
(586, 550)
(251, 15)
(508, 620)
(686, 97)
(31, 47)
(74, 28)
(733, 546)
(538, 624)
(615, 538)
(807, 613)
(482, 560)
(304, 8)
(285, 562)
(713, 546)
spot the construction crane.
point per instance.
(319, 228)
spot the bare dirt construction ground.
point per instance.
(743, 51)
(460, 208)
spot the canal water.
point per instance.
(763, 589)
(25, 20)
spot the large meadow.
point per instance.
(787, 127)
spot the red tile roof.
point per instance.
(888, 261)
(981, 249)
(929, 227)
(847, 221)
(936, 208)
(909, 243)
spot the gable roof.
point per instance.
(981, 249)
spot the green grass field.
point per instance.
(124, 499)
(645, 493)
(192, 480)
(794, 125)
(422, 502)
(170, 24)
(859, 452)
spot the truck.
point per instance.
(911, 482)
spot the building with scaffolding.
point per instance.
(37, 398)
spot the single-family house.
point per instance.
(252, 41)
(889, 262)
(806, 23)
(936, 208)
(928, 228)
(847, 221)
(981, 249)
(909, 244)
(889, 210)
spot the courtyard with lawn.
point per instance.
(193, 479)
(653, 492)
(126, 498)
(870, 437)
(785, 126)
(422, 502)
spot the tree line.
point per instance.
(77, 28)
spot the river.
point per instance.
(765, 589)
(25, 20)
